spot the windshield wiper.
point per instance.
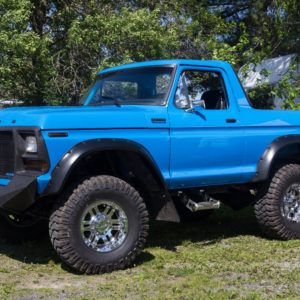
(115, 101)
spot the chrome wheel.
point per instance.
(290, 208)
(104, 226)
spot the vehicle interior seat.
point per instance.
(214, 99)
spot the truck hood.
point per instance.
(80, 117)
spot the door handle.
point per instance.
(231, 120)
(159, 120)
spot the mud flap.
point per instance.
(166, 210)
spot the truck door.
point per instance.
(207, 141)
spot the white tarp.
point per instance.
(276, 68)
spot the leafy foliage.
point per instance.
(50, 50)
(289, 89)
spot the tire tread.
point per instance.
(267, 207)
(59, 224)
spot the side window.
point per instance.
(201, 88)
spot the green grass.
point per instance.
(224, 257)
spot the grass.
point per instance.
(224, 257)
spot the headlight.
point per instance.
(31, 144)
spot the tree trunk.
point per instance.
(38, 21)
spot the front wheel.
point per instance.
(101, 226)
(278, 209)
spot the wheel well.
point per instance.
(127, 165)
(285, 155)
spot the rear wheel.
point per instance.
(101, 226)
(278, 210)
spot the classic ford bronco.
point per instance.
(160, 139)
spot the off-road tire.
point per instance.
(16, 230)
(64, 227)
(268, 207)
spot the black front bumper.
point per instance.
(16, 166)
(19, 194)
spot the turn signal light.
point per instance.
(36, 165)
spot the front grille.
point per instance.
(6, 153)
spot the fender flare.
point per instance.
(265, 163)
(63, 169)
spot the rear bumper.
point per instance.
(18, 193)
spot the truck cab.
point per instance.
(160, 139)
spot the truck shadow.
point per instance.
(223, 224)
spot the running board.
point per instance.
(195, 206)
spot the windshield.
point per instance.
(136, 86)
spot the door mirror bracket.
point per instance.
(192, 109)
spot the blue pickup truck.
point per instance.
(166, 140)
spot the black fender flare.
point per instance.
(165, 209)
(65, 166)
(265, 163)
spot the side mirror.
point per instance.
(199, 103)
(196, 104)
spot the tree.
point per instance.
(24, 56)
(50, 49)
